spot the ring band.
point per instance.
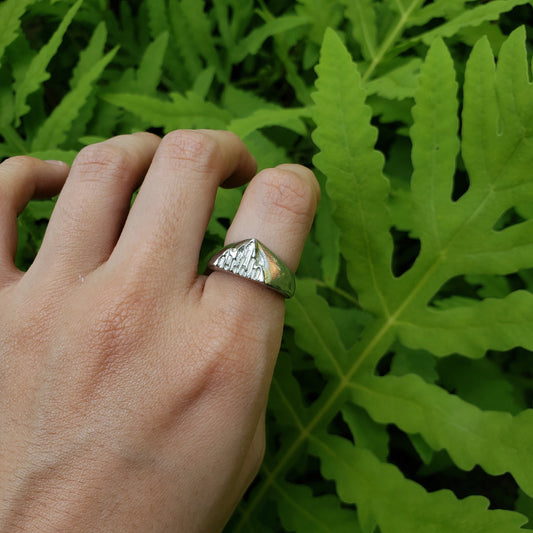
(252, 260)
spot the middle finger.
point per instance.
(166, 225)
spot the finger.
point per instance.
(23, 178)
(94, 202)
(278, 209)
(166, 225)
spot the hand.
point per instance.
(133, 390)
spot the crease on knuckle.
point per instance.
(102, 161)
(193, 150)
(287, 194)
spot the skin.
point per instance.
(133, 390)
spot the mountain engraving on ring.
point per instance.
(247, 260)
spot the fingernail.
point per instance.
(56, 162)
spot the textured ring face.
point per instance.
(252, 260)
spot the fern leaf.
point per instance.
(182, 112)
(54, 130)
(36, 73)
(157, 17)
(419, 362)
(321, 14)
(497, 441)
(366, 432)
(261, 118)
(199, 29)
(241, 104)
(10, 13)
(226, 205)
(252, 42)
(355, 172)
(435, 146)
(203, 82)
(151, 65)
(302, 512)
(472, 17)
(401, 505)
(404, 8)
(457, 239)
(509, 130)
(398, 83)
(481, 120)
(316, 332)
(446, 9)
(127, 26)
(483, 383)
(91, 55)
(267, 153)
(327, 235)
(286, 400)
(6, 100)
(363, 18)
(14, 143)
(495, 324)
(524, 505)
(182, 42)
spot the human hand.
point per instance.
(133, 390)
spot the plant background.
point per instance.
(74, 73)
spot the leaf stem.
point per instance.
(390, 40)
(376, 339)
(341, 292)
(14, 140)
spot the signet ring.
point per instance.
(252, 260)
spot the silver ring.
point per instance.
(252, 260)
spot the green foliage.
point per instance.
(10, 13)
(402, 397)
(36, 72)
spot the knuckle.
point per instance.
(15, 171)
(102, 160)
(192, 149)
(287, 194)
(19, 163)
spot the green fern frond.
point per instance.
(36, 72)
